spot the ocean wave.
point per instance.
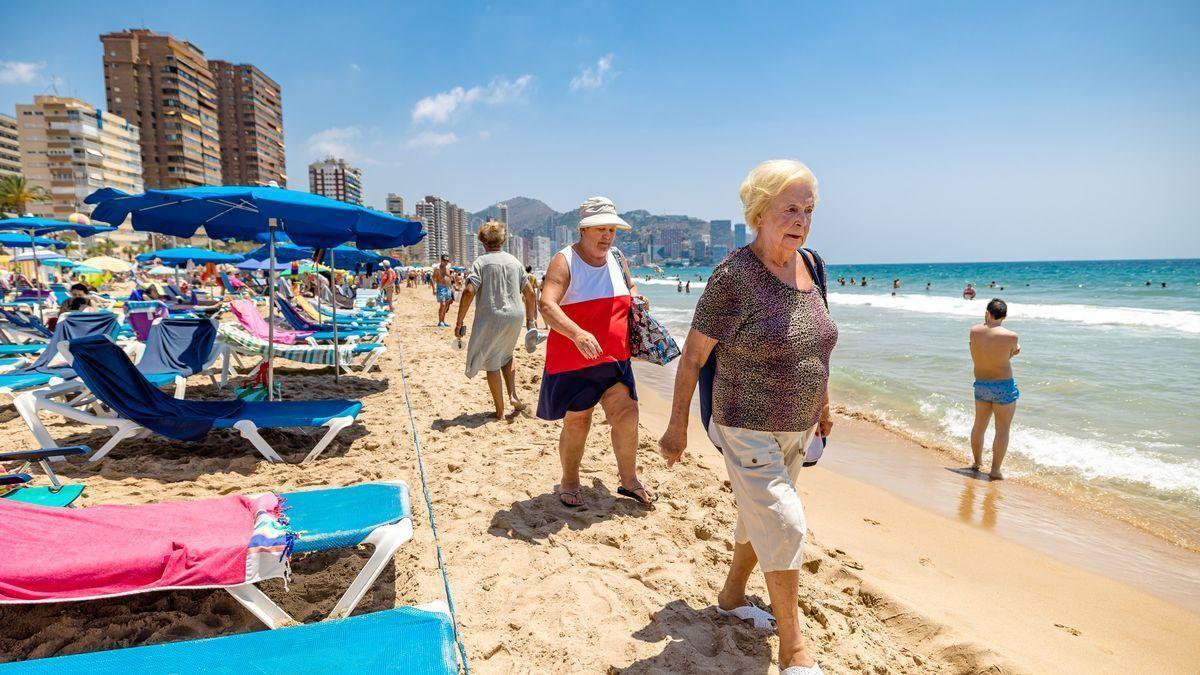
(1171, 319)
(1090, 459)
(669, 282)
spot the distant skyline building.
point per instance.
(432, 211)
(720, 233)
(10, 147)
(739, 235)
(394, 204)
(671, 241)
(462, 241)
(250, 115)
(337, 179)
(70, 148)
(542, 250)
(503, 215)
(163, 86)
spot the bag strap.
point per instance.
(621, 261)
(816, 269)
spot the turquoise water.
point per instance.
(1107, 370)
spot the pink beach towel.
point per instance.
(247, 314)
(50, 554)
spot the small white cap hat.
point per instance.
(599, 211)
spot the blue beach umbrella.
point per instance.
(180, 257)
(14, 240)
(247, 213)
(33, 227)
(60, 262)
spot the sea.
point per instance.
(1109, 370)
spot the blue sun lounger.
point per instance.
(413, 640)
(137, 405)
(323, 332)
(42, 372)
(15, 485)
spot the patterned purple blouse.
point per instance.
(773, 349)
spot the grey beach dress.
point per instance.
(498, 278)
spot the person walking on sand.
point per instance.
(443, 290)
(502, 287)
(586, 300)
(992, 349)
(763, 315)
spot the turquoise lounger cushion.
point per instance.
(18, 381)
(277, 414)
(46, 496)
(19, 350)
(364, 347)
(401, 640)
(342, 517)
(327, 335)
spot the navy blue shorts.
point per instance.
(578, 390)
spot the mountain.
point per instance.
(523, 212)
(533, 215)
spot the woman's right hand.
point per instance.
(588, 345)
(672, 444)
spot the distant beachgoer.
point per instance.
(687, 288)
(841, 281)
(1148, 283)
(1164, 284)
(895, 286)
(969, 292)
(766, 320)
(586, 300)
(993, 284)
(387, 281)
(505, 297)
(443, 291)
(928, 285)
(853, 281)
(864, 282)
(679, 287)
(992, 349)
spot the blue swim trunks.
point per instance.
(445, 294)
(1001, 392)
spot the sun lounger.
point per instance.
(358, 357)
(49, 368)
(136, 406)
(319, 330)
(414, 640)
(14, 485)
(25, 325)
(118, 550)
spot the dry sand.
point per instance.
(888, 587)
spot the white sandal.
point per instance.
(757, 616)
(814, 669)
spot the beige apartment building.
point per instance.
(10, 147)
(71, 148)
(163, 86)
(250, 114)
(336, 179)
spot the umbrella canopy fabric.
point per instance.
(60, 262)
(252, 265)
(37, 254)
(283, 253)
(237, 212)
(42, 226)
(108, 263)
(16, 240)
(345, 257)
(160, 271)
(181, 256)
(86, 269)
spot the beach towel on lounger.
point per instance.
(51, 554)
(247, 314)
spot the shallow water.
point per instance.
(1107, 371)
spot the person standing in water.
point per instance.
(687, 288)
(992, 349)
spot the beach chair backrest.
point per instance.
(292, 316)
(180, 346)
(73, 326)
(113, 379)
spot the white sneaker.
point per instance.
(814, 669)
(533, 338)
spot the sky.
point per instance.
(956, 131)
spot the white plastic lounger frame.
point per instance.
(386, 539)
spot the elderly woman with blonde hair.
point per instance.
(764, 317)
(500, 289)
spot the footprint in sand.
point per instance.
(1072, 631)
(871, 521)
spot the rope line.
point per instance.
(462, 650)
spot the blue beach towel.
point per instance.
(181, 346)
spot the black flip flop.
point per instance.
(632, 494)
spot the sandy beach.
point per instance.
(888, 586)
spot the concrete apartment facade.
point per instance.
(336, 179)
(71, 148)
(250, 115)
(433, 212)
(10, 147)
(163, 86)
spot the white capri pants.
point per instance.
(763, 467)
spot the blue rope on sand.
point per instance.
(462, 650)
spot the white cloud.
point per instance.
(355, 67)
(594, 77)
(19, 72)
(431, 139)
(334, 141)
(440, 107)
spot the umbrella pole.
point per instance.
(336, 349)
(271, 315)
(37, 278)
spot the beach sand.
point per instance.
(887, 586)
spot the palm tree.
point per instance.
(16, 194)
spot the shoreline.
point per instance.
(870, 450)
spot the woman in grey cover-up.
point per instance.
(499, 283)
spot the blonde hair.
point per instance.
(766, 181)
(493, 234)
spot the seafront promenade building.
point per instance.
(432, 211)
(71, 148)
(10, 147)
(250, 115)
(739, 235)
(336, 179)
(163, 86)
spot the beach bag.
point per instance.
(708, 372)
(255, 388)
(649, 340)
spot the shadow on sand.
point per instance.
(534, 519)
(700, 641)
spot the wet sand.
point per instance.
(888, 586)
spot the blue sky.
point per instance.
(938, 131)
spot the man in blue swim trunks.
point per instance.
(992, 349)
(443, 290)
